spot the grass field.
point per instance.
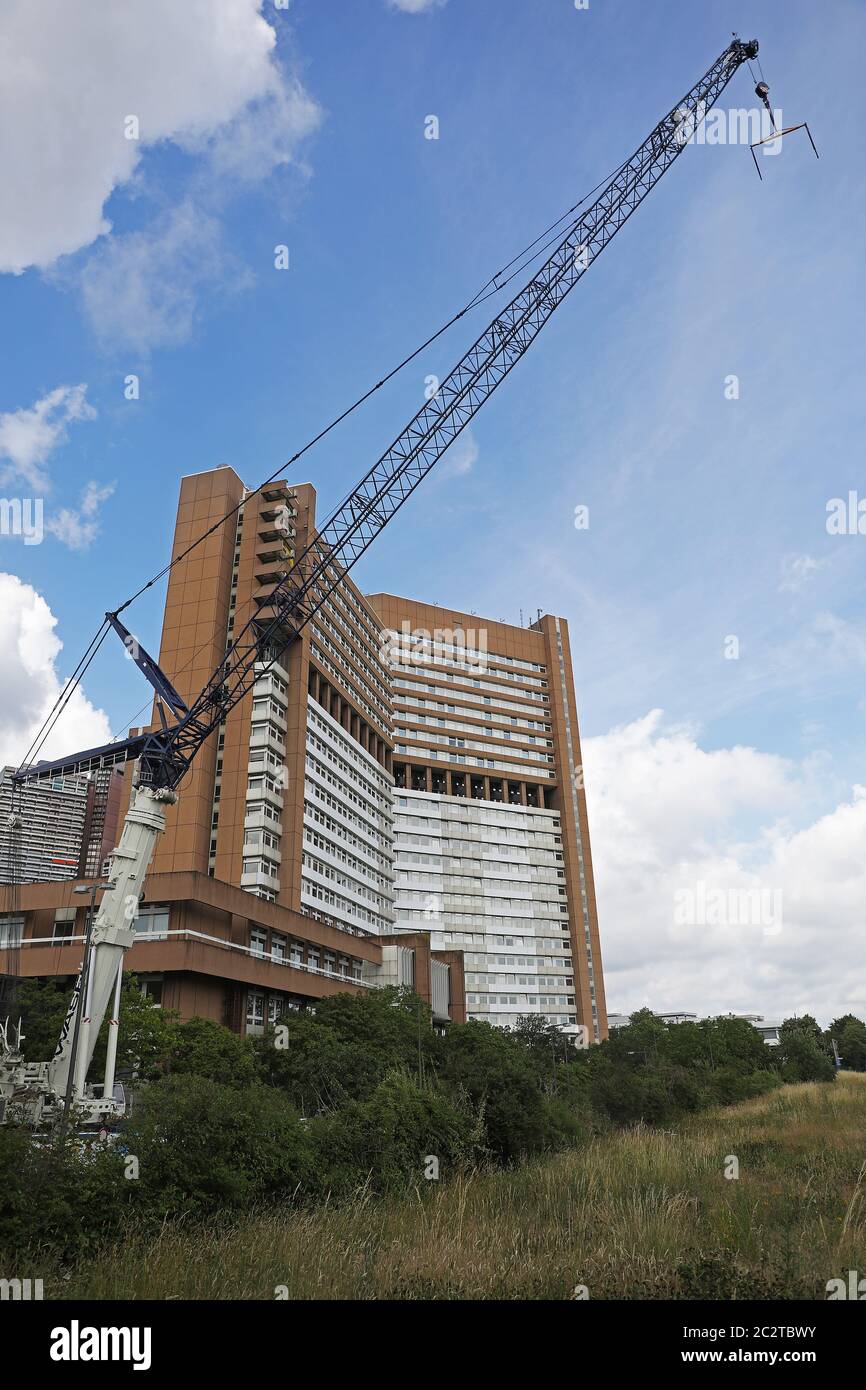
(637, 1214)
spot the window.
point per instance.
(255, 1010)
(151, 988)
(11, 930)
(152, 921)
(64, 923)
(258, 941)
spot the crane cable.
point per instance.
(64, 697)
(490, 288)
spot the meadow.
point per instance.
(637, 1213)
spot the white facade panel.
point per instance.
(487, 878)
(347, 871)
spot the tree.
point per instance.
(387, 1138)
(202, 1047)
(201, 1146)
(500, 1077)
(143, 1036)
(42, 1005)
(343, 1050)
(800, 1023)
(801, 1052)
(849, 1033)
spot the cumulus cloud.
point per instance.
(461, 456)
(797, 570)
(28, 436)
(718, 889)
(143, 289)
(415, 6)
(266, 136)
(29, 649)
(78, 527)
(76, 81)
(72, 72)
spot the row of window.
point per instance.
(342, 906)
(455, 673)
(358, 866)
(522, 1000)
(466, 697)
(365, 767)
(467, 760)
(312, 789)
(437, 644)
(339, 832)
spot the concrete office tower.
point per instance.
(105, 807)
(271, 888)
(491, 833)
(292, 800)
(48, 846)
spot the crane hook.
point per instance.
(763, 92)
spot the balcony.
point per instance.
(257, 820)
(268, 736)
(260, 878)
(264, 668)
(272, 795)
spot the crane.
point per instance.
(35, 1091)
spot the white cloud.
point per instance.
(415, 6)
(669, 818)
(245, 118)
(71, 72)
(29, 648)
(143, 289)
(264, 137)
(28, 436)
(797, 570)
(461, 457)
(79, 527)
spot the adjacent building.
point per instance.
(42, 828)
(57, 830)
(492, 851)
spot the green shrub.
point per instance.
(201, 1145)
(385, 1140)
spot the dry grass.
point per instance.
(639, 1214)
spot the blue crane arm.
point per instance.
(358, 520)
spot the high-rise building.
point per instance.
(105, 804)
(492, 851)
(273, 883)
(397, 798)
(42, 827)
(292, 800)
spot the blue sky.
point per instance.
(707, 515)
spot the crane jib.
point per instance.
(166, 754)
